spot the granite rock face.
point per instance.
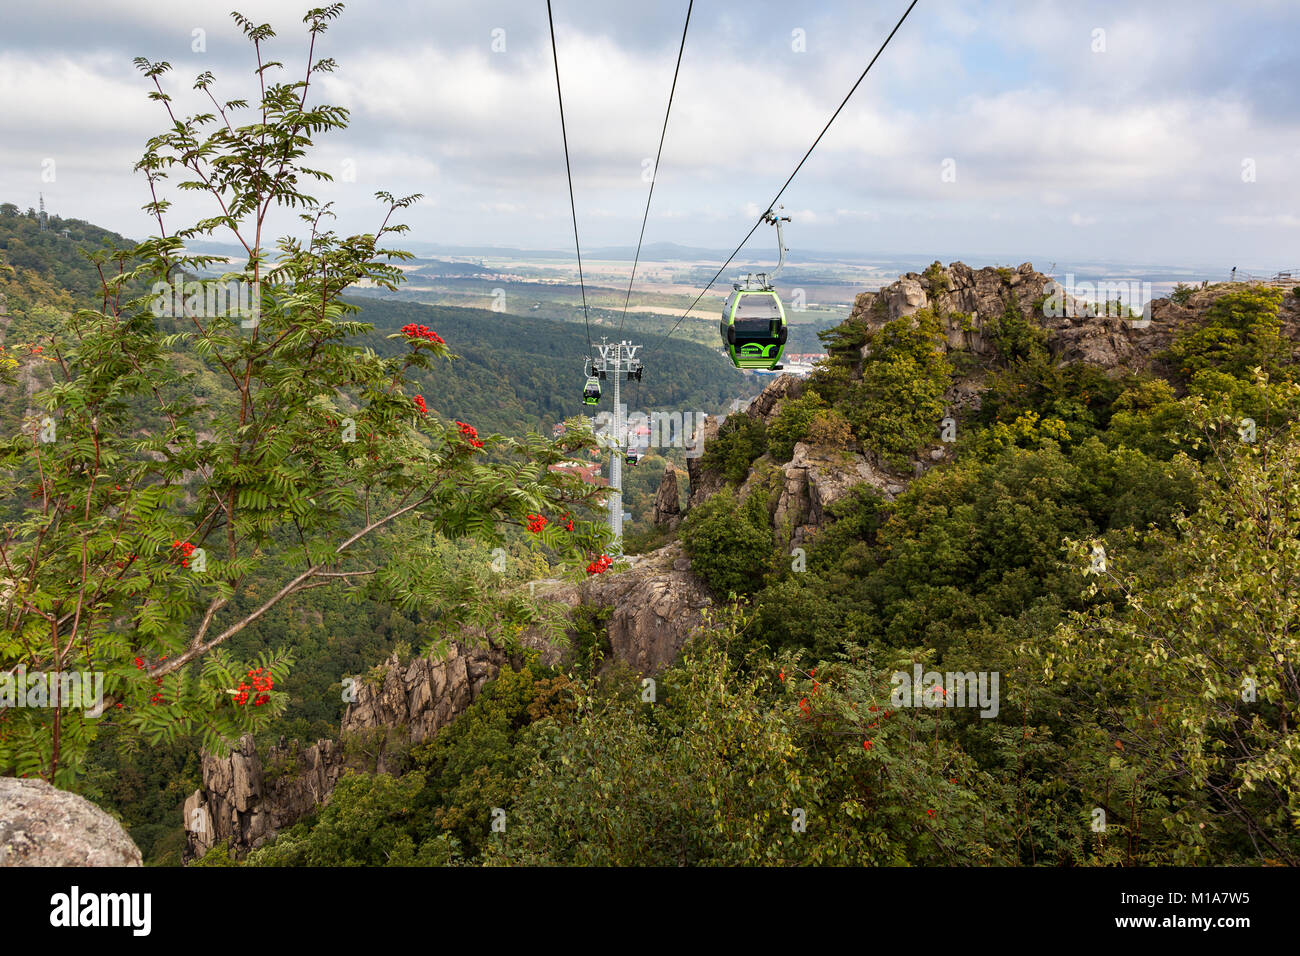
(656, 606)
(668, 510)
(41, 825)
(817, 477)
(703, 482)
(967, 298)
(247, 798)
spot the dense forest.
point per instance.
(507, 374)
(1155, 687)
(230, 521)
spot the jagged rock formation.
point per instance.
(766, 403)
(702, 481)
(41, 825)
(967, 298)
(656, 607)
(246, 799)
(817, 477)
(668, 511)
(423, 696)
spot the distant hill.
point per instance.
(440, 268)
(54, 253)
(514, 372)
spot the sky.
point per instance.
(994, 132)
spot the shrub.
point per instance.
(830, 427)
(898, 403)
(791, 424)
(739, 441)
(1013, 335)
(1241, 332)
(730, 542)
(936, 278)
(370, 820)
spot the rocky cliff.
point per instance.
(968, 298)
(247, 797)
(966, 301)
(656, 601)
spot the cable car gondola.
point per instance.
(753, 323)
(591, 391)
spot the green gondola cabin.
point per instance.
(753, 328)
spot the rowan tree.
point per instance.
(158, 519)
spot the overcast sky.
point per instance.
(987, 131)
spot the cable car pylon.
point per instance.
(614, 362)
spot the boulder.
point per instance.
(41, 825)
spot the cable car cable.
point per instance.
(569, 170)
(772, 204)
(645, 218)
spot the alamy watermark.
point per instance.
(129, 910)
(1077, 300)
(950, 689)
(209, 299)
(654, 430)
(73, 689)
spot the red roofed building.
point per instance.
(588, 473)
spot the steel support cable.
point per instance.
(655, 174)
(790, 178)
(569, 171)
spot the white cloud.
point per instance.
(1150, 134)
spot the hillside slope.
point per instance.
(913, 503)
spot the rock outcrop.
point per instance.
(703, 482)
(668, 509)
(967, 298)
(423, 696)
(246, 799)
(41, 825)
(817, 477)
(768, 401)
(656, 607)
